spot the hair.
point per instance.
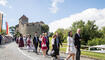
(69, 34)
(78, 29)
(30, 36)
(53, 36)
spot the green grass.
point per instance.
(99, 56)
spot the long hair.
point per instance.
(69, 34)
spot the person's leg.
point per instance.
(78, 54)
(68, 57)
(47, 49)
(44, 52)
(58, 57)
(73, 56)
(0, 41)
(36, 47)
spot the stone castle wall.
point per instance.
(29, 28)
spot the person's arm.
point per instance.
(75, 40)
(68, 40)
(60, 41)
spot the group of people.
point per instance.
(41, 42)
(73, 44)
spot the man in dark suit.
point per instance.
(35, 42)
(77, 44)
(47, 43)
(0, 38)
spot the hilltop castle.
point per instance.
(24, 27)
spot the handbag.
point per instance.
(43, 45)
(52, 53)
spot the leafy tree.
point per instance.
(60, 32)
(45, 28)
(12, 30)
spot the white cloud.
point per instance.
(3, 2)
(89, 14)
(54, 7)
(1, 12)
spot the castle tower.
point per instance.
(23, 20)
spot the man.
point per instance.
(35, 42)
(77, 44)
(57, 44)
(47, 43)
(0, 38)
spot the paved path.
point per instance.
(12, 52)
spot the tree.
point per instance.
(88, 30)
(45, 28)
(60, 32)
(12, 30)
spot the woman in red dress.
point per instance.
(43, 45)
(21, 42)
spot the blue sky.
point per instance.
(45, 10)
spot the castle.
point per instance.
(24, 27)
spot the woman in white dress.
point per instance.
(71, 50)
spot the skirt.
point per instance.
(72, 50)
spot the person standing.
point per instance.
(35, 42)
(77, 43)
(0, 39)
(47, 43)
(21, 42)
(44, 45)
(71, 50)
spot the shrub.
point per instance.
(96, 41)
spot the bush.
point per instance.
(96, 41)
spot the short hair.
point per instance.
(78, 29)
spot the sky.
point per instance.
(55, 13)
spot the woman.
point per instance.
(43, 45)
(29, 43)
(53, 54)
(21, 42)
(40, 40)
(24, 39)
(71, 50)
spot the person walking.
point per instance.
(35, 42)
(0, 39)
(71, 50)
(29, 42)
(44, 45)
(24, 39)
(21, 42)
(47, 43)
(40, 40)
(77, 43)
(56, 45)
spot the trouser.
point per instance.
(36, 46)
(0, 41)
(78, 54)
(47, 49)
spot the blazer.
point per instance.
(77, 41)
(47, 42)
(55, 43)
(34, 40)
